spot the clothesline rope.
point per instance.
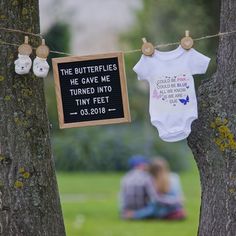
(21, 32)
(177, 43)
(126, 51)
(17, 45)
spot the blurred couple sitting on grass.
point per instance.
(150, 191)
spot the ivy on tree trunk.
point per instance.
(213, 137)
(29, 199)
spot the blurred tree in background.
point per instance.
(58, 38)
(107, 148)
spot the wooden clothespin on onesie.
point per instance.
(187, 41)
(147, 48)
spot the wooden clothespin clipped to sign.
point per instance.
(187, 41)
(147, 48)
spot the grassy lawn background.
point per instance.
(89, 204)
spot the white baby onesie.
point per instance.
(173, 103)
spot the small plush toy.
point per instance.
(40, 65)
(24, 62)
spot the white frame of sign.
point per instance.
(123, 84)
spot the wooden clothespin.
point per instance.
(147, 48)
(43, 50)
(187, 41)
(25, 48)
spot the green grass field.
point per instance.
(89, 204)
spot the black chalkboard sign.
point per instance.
(91, 90)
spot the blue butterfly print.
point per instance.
(184, 101)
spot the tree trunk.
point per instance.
(213, 140)
(29, 199)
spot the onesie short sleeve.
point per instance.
(198, 62)
(141, 68)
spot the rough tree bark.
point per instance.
(213, 138)
(29, 200)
